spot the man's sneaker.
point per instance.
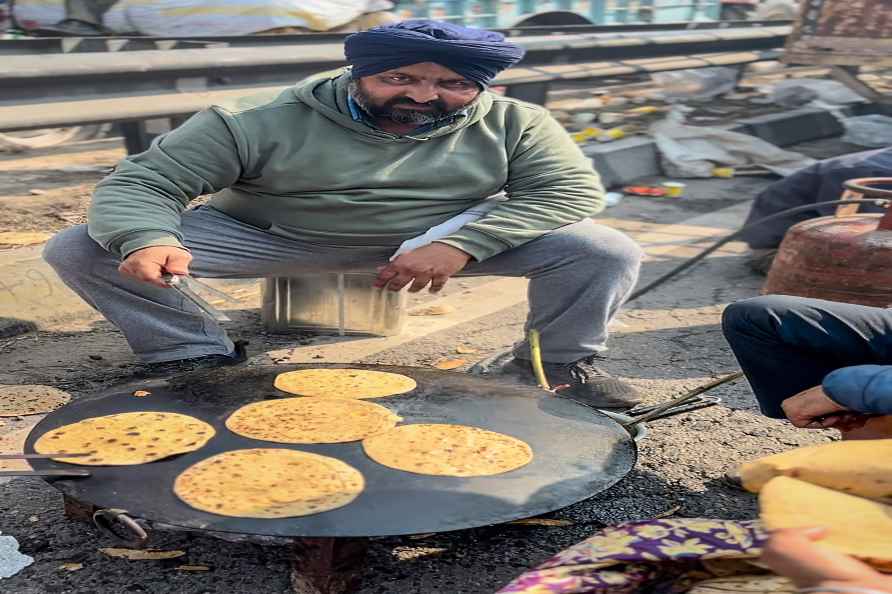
(579, 380)
(238, 355)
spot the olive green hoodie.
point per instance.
(298, 165)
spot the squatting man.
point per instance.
(334, 174)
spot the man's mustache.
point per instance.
(405, 102)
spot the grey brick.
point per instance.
(623, 161)
(792, 127)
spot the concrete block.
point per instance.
(623, 161)
(792, 127)
(860, 109)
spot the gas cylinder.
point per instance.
(846, 257)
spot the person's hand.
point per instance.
(792, 553)
(813, 409)
(430, 264)
(148, 264)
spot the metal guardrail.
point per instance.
(88, 75)
(524, 83)
(132, 87)
(58, 45)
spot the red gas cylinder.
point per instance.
(847, 257)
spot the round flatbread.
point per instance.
(311, 420)
(126, 438)
(12, 441)
(447, 450)
(748, 584)
(344, 383)
(16, 401)
(268, 483)
(856, 526)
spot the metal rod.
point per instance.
(180, 284)
(74, 473)
(342, 308)
(214, 291)
(682, 399)
(41, 456)
(728, 238)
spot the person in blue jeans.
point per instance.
(817, 363)
(816, 183)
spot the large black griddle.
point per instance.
(578, 452)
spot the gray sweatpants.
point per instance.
(579, 277)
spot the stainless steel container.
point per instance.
(332, 303)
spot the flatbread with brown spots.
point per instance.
(268, 483)
(311, 420)
(448, 450)
(126, 438)
(344, 383)
(16, 401)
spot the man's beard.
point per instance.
(435, 111)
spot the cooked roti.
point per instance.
(268, 483)
(12, 441)
(126, 438)
(447, 450)
(16, 401)
(855, 525)
(749, 584)
(857, 466)
(311, 420)
(344, 383)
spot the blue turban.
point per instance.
(476, 54)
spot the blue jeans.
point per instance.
(788, 344)
(817, 183)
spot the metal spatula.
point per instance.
(181, 284)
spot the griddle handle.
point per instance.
(676, 406)
(116, 523)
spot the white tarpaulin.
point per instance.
(34, 14)
(184, 18)
(11, 560)
(694, 151)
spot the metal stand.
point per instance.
(136, 138)
(318, 565)
(328, 565)
(77, 510)
(138, 134)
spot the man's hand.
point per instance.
(793, 554)
(813, 409)
(148, 264)
(430, 264)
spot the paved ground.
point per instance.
(666, 342)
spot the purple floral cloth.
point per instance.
(655, 556)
